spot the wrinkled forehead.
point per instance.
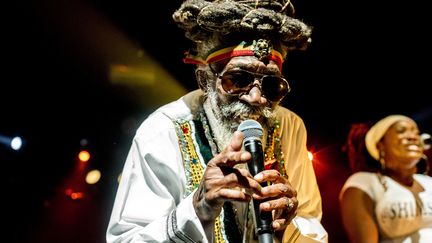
(251, 63)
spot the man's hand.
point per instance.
(222, 182)
(279, 196)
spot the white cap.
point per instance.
(377, 131)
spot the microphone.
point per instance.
(253, 132)
(426, 140)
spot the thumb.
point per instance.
(236, 143)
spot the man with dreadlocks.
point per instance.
(185, 178)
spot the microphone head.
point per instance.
(251, 129)
(426, 140)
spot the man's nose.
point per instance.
(255, 96)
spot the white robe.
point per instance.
(153, 203)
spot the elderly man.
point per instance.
(186, 178)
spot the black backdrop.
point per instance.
(366, 60)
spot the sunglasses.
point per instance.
(238, 82)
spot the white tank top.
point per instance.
(401, 215)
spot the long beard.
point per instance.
(229, 114)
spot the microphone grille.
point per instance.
(251, 129)
(426, 140)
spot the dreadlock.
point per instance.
(222, 22)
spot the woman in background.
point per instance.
(389, 196)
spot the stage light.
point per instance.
(84, 142)
(426, 139)
(310, 155)
(84, 156)
(16, 143)
(93, 177)
(76, 195)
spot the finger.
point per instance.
(291, 207)
(233, 154)
(282, 223)
(291, 204)
(279, 224)
(278, 190)
(234, 194)
(283, 217)
(230, 158)
(234, 158)
(284, 203)
(271, 176)
(236, 142)
(239, 178)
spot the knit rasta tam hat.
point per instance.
(225, 28)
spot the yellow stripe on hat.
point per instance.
(233, 51)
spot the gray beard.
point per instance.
(225, 117)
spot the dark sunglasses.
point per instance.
(238, 82)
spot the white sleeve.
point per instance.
(305, 230)
(150, 204)
(365, 181)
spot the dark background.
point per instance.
(57, 88)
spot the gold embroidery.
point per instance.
(274, 158)
(193, 168)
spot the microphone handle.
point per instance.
(263, 219)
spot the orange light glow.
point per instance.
(76, 195)
(84, 156)
(93, 177)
